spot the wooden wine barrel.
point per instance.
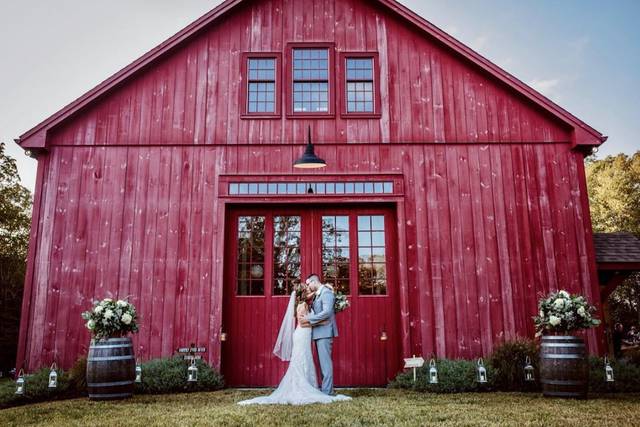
(564, 367)
(111, 369)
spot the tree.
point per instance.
(614, 197)
(15, 221)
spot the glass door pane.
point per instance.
(335, 251)
(286, 254)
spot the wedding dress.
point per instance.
(299, 386)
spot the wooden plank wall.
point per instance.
(193, 95)
(488, 228)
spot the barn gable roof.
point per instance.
(584, 134)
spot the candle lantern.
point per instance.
(192, 376)
(20, 383)
(53, 376)
(482, 372)
(529, 373)
(608, 371)
(433, 372)
(138, 372)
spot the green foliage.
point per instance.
(170, 376)
(614, 198)
(15, 217)
(78, 377)
(454, 376)
(626, 375)
(36, 389)
(508, 361)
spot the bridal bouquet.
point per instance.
(341, 302)
(563, 312)
(109, 318)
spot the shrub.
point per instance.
(633, 356)
(454, 376)
(78, 377)
(170, 376)
(36, 389)
(508, 361)
(626, 375)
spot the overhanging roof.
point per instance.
(617, 251)
(583, 135)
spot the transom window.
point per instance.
(360, 96)
(335, 252)
(250, 235)
(319, 188)
(372, 270)
(310, 80)
(261, 90)
(286, 254)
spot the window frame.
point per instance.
(244, 88)
(331, 81)
(342, 74)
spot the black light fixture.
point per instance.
(309, 160)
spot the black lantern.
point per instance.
(309, 160)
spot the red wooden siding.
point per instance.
(193, 95)
(487, 228)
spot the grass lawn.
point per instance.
(370, 407)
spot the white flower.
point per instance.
(91, 324)
(98, 309)
(107, 300)
(564, 294)
(559, 303)
(108, 314)
(126, 318)
(582, 312)
(121, 303)
(554, 320)
(541, 313)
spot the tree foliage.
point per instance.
(614, 197)
(15, 218)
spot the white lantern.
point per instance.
(192, 372)
(53, 376)
(138, 372)
(529, 372)
(433, 372)
(482, 372)
(20, 383)
(608, 371)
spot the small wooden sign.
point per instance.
(192, 357)
(413, 362)
(192, 350)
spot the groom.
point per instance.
(323, 322)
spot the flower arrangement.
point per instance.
(109, 318)
(563, 312)
(341, 302)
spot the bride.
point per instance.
(299, 385)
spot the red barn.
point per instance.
(453, 194)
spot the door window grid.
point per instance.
(323, 188)
(286, 254)
(360, 85)
(311, 80)
(335, 252)
(261, 88)
(372, 274)
(250, 235)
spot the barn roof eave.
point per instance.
(584, 135)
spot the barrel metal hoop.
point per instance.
(108, 395)
(103, 358)
(561, 356)
(560, 337)
(110, 346)
(110, 384)
(556, 345)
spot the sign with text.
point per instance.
(413, 362)
(192, 350)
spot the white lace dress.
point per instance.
(299, 385)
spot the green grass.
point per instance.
(369, 407)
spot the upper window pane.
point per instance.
(261, 89)
(360, 85)
(250, 255)
(311, 80)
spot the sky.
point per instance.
(583, 54)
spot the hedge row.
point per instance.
(158, 376)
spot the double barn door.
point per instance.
(271, 250)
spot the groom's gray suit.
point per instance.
(323, 320)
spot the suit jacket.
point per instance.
(323, 318)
